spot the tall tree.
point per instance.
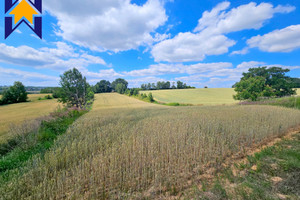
(252, 88)
(75, 89)
(120, 88)
(14, 94)
(272, 82)
(102, 87)
(179, 85)
(118, 81)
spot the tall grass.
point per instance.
(34, 138)
(289, 102)
(133, 153)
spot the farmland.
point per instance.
(125, 148)
(18, 113)
(210, 96)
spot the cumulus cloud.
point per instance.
(115, 25)
(248, 16)
(209, 35)
(163, 69)
(283, 40)
(226, 76)
(60, 58)
(244, 51)
(187, 47)
(7, 76)
(137, 82)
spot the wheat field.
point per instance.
(128, 149)
(15, 114)
(210, 96)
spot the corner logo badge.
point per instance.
(23, 11)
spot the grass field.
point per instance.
(128, 149)
(15, 114)
(211, 96)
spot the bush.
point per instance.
(57, 93)
(48, 97)
(150, 97)
(143, 96)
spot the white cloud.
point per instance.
(109, 74)
(115, 25)
(8, 76)
(283, 40)
(209, 35)
(244, 51)
(139, 81)
(187, 47)
(226, 76)
(248, 16)
(164, 69)
(244, 66)
(60, 58)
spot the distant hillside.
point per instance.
(210, 96)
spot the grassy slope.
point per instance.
(116, 101)
(273, 173)
(128, 147)
(210, 96)
(18, 113)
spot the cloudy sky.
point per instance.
(201, 42)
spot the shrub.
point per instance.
(48, 97)
(143, 96)
(150, 97)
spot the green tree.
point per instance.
(275, 78)
(75, 89)
(251, 88)
(14, 94)
(120, 88)
(102, 87)
(270, 82)
(179, 85)
(119, 81)
(57, 92)
(295, 82)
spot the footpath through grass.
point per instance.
(16, 151)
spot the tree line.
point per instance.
(165, 86)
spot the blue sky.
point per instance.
(203, 43)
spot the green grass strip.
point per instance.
(36, 143)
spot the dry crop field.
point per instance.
(209, 96)
(128, 149)
(14, 114)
